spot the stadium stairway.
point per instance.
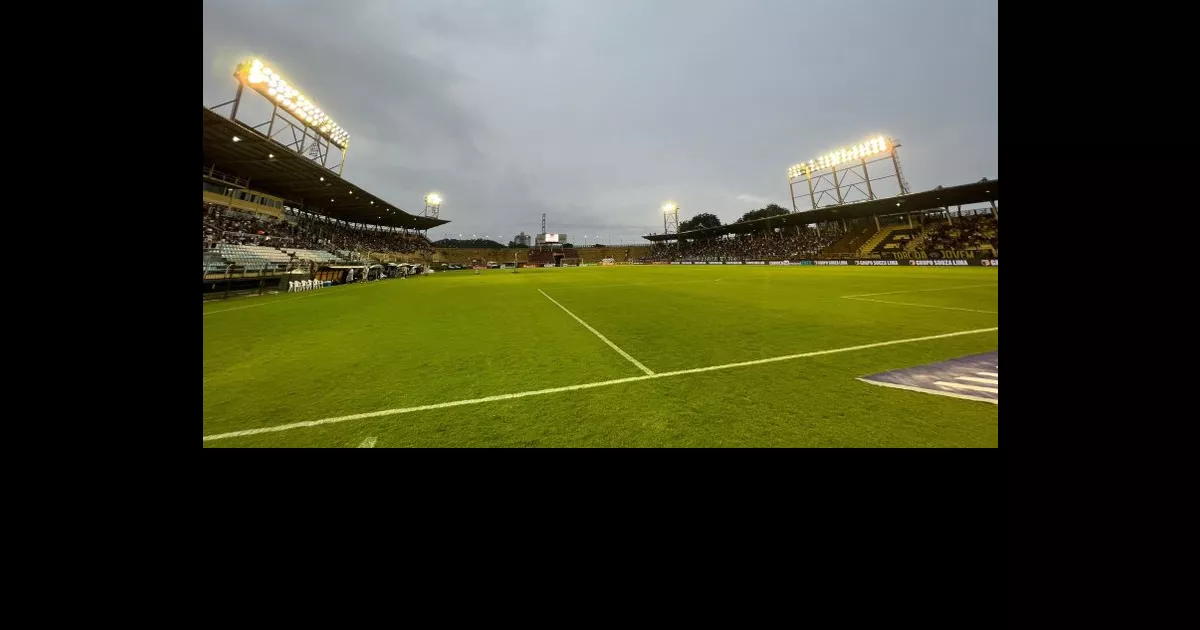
(851, 240)
(879, 237)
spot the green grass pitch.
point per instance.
(281, 360)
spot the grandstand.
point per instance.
(914, 226)
(275, 210)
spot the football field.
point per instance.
(626, 356)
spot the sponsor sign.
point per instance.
(830, 263)
(989, 262)
(755, 262)
(937, 253)
(778, 262)
(974, 377)
(945, 262)
(877, 263)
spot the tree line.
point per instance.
(709, 220)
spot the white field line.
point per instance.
(367, 443)
(945, 308)
(930, 391)
(969, 286)
(991, 374)
(571, 388)
(304, 294)
(602, 337)
(638, 284)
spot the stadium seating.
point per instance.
(314, 255)
(541, 257)
(890, 238)
(969, 232)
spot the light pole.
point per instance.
(433, 205)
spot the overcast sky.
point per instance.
(597, 111)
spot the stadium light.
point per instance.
(433, 199)
(670, 206)
(868, 148)
(237, 139)
(267, 82)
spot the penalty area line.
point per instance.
(571, 388)
(944, 308)
(602, 337)
(969, 286)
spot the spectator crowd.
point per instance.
(978, 231)
(223, 225)
(786, 244)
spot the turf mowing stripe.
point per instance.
(570, 388)
(602, 337)
(969, 286)
(944, 308)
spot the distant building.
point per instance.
(523, 239)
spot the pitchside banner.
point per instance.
(951, 262)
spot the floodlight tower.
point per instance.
(314, 137)
(670, 217)
(850, 163)
(433, 205)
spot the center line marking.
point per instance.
(571, 388)
(602, 337)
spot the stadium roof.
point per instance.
(979, 192)
(297, 178)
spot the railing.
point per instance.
(212, 173)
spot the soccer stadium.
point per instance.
(864, 315)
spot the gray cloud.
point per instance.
(596, 113)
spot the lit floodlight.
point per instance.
(853, 153)
(433, 199)
(267, 82)
(670, 206)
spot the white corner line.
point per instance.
(944, 308)
(571, 388)
(602, 337)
